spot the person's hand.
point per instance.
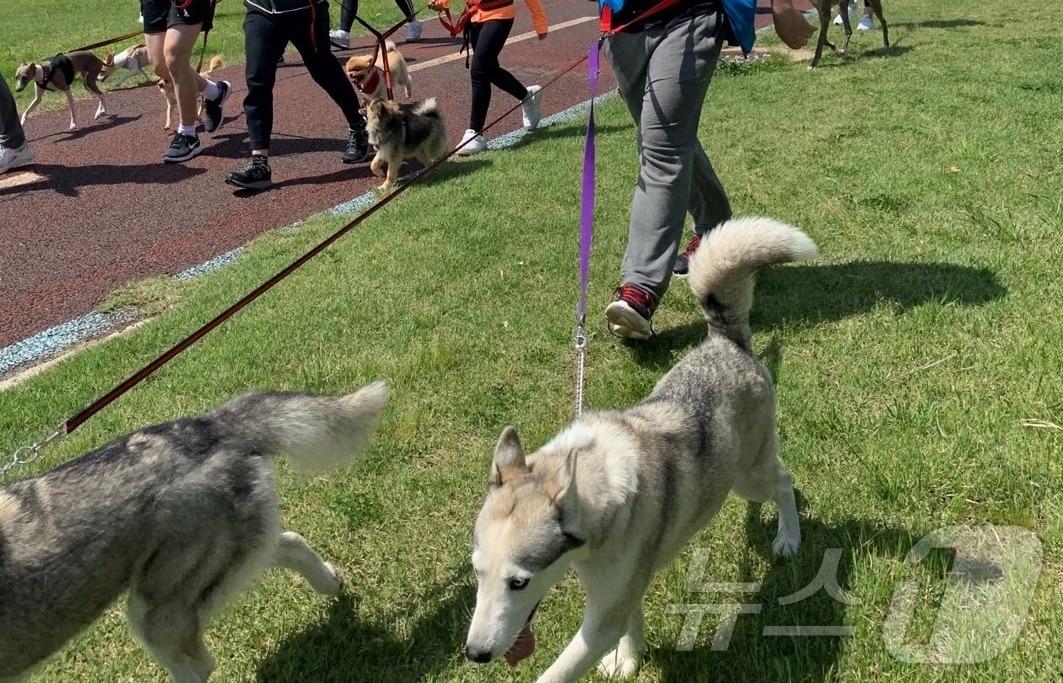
(790, 24)
(438, 5)
(542, 36)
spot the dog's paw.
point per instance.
(73, 126)
(333, 584)
(786, 544)
(618, 666)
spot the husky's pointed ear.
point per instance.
(509, 458)
(562, 489)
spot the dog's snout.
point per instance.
(478, 656)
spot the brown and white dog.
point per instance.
(368, 74)
(133, 59)
(823, 8)
(166, 87)
(58, 73)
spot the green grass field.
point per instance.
(910, 359)
(33, 30)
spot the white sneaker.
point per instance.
(530, 108)
(471, 143)
(340, 38)
(413, 31)
(13, 158)
(867, 23)
(853, 10)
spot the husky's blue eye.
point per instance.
(518, 584)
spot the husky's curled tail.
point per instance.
(722, 269)
(316, 432)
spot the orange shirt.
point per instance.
(509, 12)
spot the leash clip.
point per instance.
(29, 454)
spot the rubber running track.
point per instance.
(98, 209)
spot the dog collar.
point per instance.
(371, 83)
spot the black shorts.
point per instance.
(159, 15)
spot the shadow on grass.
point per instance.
(809, 295)
(750, 654)
(344, 647)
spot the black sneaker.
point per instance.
(682, 262)
(182, 148)
(357, 146)
(212, 109)
(630, 312)
(256, 175)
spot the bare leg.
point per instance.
(294, 553)
(180, 41)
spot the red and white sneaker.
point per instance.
(682, 262)
(630, 312)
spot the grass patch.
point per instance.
(35, 30)
(907, 359)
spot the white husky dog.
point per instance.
(619, 493)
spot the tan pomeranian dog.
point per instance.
(368, 74)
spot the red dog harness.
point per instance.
(372, 81)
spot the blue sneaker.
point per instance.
(182, 148)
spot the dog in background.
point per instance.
(368, 75)
(404, 131)
(823, 7)
(618, 493)
(166, 87)
(132, 59)
(58, 73)
(183, 515)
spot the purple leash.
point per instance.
(586, 227)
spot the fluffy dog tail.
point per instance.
(722, 269)
(429, 107)
(316, 432)
(215, 64)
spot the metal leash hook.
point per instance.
(29, 454)
(580, 343)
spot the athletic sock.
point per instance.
(211, 91)
(190, 131)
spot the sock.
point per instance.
(187, 130)
(211, 91)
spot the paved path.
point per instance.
(99, 210)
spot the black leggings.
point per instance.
(265, 38)
(349, 8)
(487, 40)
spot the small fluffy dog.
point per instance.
(58, 73)
(401, 132)
(168, 92)
(619, 493)
(183, 515)
(368, 75)
(132, 59)
(823, 8)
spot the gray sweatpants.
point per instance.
(663, 74)
(11, 135)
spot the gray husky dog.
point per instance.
(183, 514)
(618, 494)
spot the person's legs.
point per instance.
(487, 40)
(326, 71)
(180, 41)
(11, 134)
(264, 41)
(14, 151)
(663, 75)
